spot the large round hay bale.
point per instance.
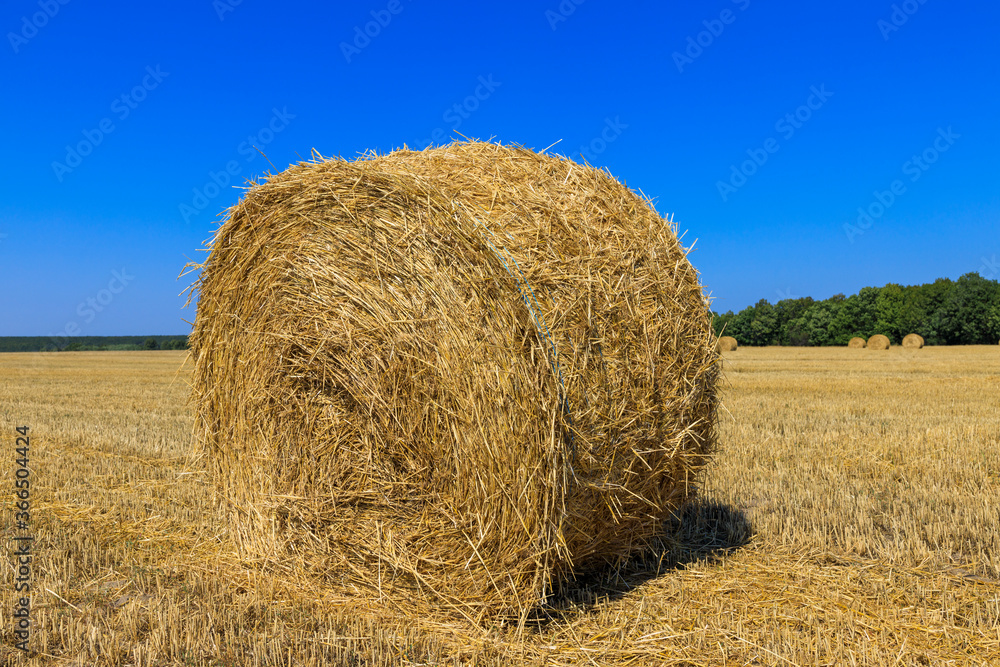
(727, 344)
(878, 342)
(913, 341)
(856, 343)
(460, 372)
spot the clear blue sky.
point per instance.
(202, 81)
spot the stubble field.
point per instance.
(850, 517)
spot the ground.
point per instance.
(850, 517)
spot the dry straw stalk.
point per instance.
(458, 373)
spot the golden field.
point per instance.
(850, 517)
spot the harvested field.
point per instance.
(831, 529)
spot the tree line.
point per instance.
(946, 312)
(90, 343)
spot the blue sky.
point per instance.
(762, 128)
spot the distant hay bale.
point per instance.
(856, 342)
(458, 373)
(727, 344)
(878, 342)
(913, 341)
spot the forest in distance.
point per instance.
(945, 312)
(91, 343)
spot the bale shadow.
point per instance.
(704, 531)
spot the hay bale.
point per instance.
(727, 344)
(878, 342)
(913, 341)
(458, 373)
(856, 343)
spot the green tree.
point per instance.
(720, 323)
(930, 299)
(816, 325)
(738, 325)
(764, 326)
(150, 344)
(856, 316)
(175, 344)
(788, 310)
(993, 324)
(889, 312)
(964, 317)
(914, 317)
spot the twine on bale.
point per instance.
(532, 304)
(413, 408)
